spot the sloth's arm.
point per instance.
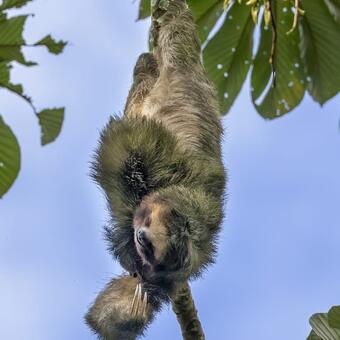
(189, 108)
(145, 75)
(120, 311)
(177, 43)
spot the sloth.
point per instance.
(161, 171)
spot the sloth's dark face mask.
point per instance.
(158, 236)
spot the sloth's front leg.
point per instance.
(138, 309)
(121, 310)
(177, 43)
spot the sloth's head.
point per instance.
(160, 236)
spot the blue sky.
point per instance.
(279, 250)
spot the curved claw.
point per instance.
(139, 303)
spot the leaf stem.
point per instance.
(22, 96)
(274, 41)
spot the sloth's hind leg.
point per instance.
(177, 43)
(145, 75)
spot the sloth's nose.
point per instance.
(141, 236)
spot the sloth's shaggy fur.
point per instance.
(138, 157)
(162, 158)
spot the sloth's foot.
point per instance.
(122, 311)
(139, 304)
(163, 10)
(160, 7)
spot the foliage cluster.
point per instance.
(11, 51)
(294, 49)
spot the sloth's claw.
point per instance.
(134, 301)
(139, 303)
(145, 302)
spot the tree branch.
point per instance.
(184, 307)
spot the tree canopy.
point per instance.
(293, 50)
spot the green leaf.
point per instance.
(313, 336)
(11, 31)
(11, 53)
(11, 43)
(53, 46)
(144, 9)
(308, 58)
(5, 82)
(274, 99)
(9, 157)
(206, 13)
(200, 8)
(321, 53)
(5, 79)
(11, 40)
(321, 327)
(227, 61)
(334, 317)
(3, 16)
(334, 9)
(50, 121)
(7, 4)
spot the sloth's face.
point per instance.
(151, 232)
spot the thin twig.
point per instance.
(22, 96)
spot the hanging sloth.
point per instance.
(161, 171)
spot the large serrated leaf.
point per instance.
(206, 14)
(275, 97)
(200, 8)
(53, 46)
(11, 31)
(13, 53)
(51, 121)
(321, 327)
(7, 4)
(9, 157)
(5, 82)
(301, 58)
(320, 48)
(11, 40)
(334, 317)
(227, 61)
(334, 9)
